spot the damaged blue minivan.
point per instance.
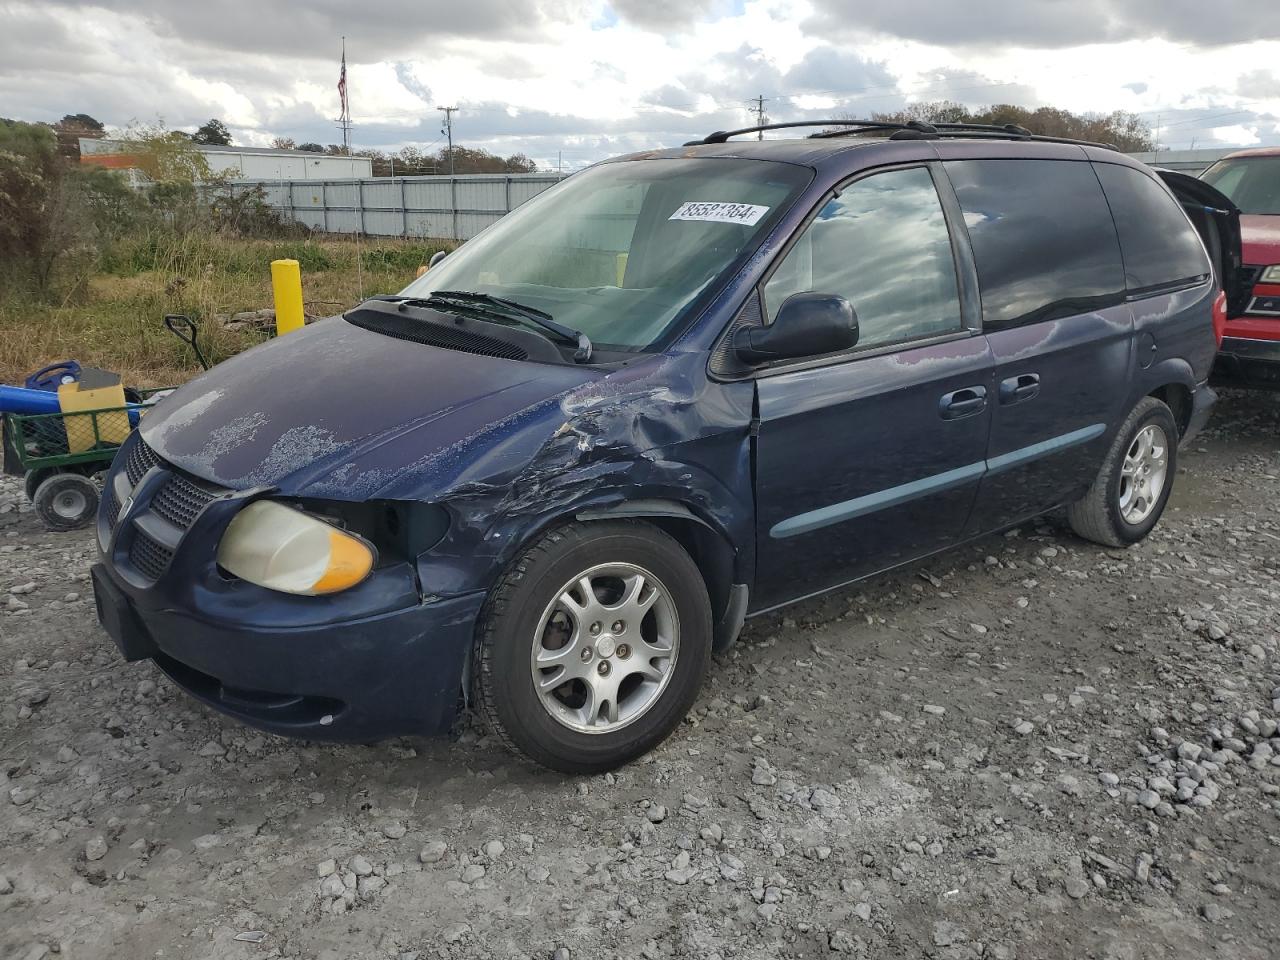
(682, 388)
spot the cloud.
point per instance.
(314, 30)
(662, 15)
(587, 79)
(1263, 84)
(1044, 23)
(829, 68)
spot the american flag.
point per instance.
(342, 83)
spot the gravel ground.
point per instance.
(1031, 747)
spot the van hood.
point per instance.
(304, 412)
(1261, 235)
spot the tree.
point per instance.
(382, 165)
(284, 143)
(51, 212)
(214, 132)
(165, 156)
(1126, 131)
(71, 128)
(84, 122)
(311, 147)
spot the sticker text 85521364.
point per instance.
(747, 214)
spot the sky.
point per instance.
(573, 81)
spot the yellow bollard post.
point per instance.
(286, 284)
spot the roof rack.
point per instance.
(911, 130)
(720, 136)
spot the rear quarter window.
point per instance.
(1042, 236)
(1159, 246)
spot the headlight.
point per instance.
(1270, 275)
(284, 549)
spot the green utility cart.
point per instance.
(61, 456)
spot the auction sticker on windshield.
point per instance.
(745, 213)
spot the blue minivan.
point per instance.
(554, 475)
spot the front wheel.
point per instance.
(1135, 480)
(593, 645)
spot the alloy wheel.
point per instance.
(605, 648)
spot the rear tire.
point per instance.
(66, 501)
(1133, 485)
(583, 683)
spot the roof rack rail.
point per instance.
(720, 136)
(911, 130)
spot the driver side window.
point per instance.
(883, 245)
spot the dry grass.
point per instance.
(114, 318)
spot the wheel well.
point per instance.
(710, 552)
(1178, 399)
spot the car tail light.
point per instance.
(1219, 317)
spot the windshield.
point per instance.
(623, 252)
(1252, 183)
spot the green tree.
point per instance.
(53, 214)
(311, 147)
(214, 132)
(71, 128)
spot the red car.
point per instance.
(1250, 351)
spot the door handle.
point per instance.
(1019, 388)
(962, 403)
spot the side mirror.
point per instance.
(807, 325)
(437, 257)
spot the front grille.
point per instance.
(176, 500)
(180, 500)
(141, 459)
(148, 557)
(110, 506)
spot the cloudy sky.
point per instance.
(584, 79)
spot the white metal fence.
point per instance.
(446, 208)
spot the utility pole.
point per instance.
(761, 119)
(447, 130)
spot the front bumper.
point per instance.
(1245, 362)
(374, 661)
(398, 673)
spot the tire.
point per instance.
(66, 501)
(1120, 509)
(595, 710)
(31, 482)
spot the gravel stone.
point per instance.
(433, 851)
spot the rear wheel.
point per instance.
(1135, 480)
(66, 501)
(593, 646)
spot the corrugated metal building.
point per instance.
(241, 163)
(440, 207)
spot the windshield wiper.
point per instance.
(540, 318)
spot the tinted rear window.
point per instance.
(1159, 245)
(1042, 237)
